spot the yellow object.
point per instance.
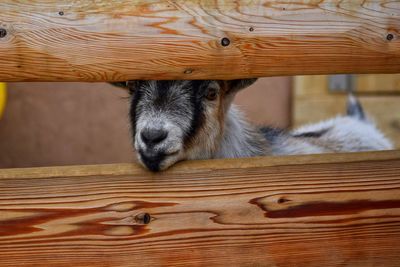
(3, 96)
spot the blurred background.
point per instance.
(54, 124)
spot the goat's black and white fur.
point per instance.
(178, 120)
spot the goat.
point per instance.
(181, 120)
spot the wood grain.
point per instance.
(73, 40)
(316, 210)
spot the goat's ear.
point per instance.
(237, 85)
(120, 84)
(129, 85)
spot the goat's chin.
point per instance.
(156, 164)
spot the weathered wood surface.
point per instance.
(330, 210)
(159, 39)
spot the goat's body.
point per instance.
(340, 134)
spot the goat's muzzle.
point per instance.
(157, 148)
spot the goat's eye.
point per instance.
(211, 94)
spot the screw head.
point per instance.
(3, 32)
(389, 37)
(61, 13)
(225, 41)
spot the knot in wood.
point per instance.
(283, 200)
(3, 32)
(143, 218)
(188, 71)
(389, 37)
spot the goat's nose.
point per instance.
(153, 136)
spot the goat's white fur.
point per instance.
(344, 134)
(240, 139)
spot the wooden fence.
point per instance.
(103, 40)
(331, 210)
(321, 210)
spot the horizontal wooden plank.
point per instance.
(159, 39)
(197, 165)
(316, 210)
